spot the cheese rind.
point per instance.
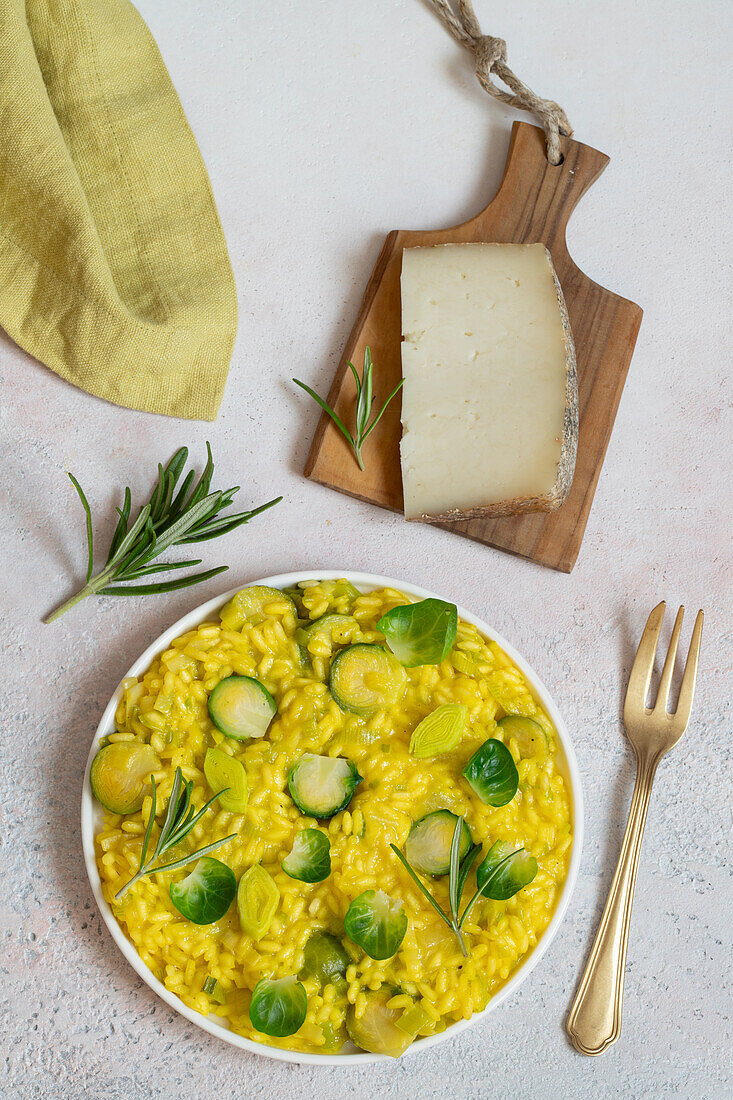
(490, 401)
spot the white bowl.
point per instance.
(91, 817)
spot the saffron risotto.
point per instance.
(167, 709)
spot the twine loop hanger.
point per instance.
(490, 56)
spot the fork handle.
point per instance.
(594, 1021)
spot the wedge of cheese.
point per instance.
(490, 398)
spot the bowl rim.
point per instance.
(367, 581)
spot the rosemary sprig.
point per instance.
(364, 399)
(192, 515)
(459, 871)
(179, 820)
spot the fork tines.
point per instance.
(641, 672)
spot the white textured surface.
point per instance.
(324, 125)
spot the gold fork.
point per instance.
(594, 1021)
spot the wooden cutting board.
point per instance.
(533, 203)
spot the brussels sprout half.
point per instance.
(492, 773)
(278, 1006)
(530, 737)
(332, 629)
(378, 1029)
(365, 677)
(205, 894)
(420, 633)
(428, 846)
(310, 858)
(506, 870)
(120, 775)
(320, 786)
(249, 605)
(376, 923)
(241, 707)
(324, 958)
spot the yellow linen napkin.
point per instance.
(114, 271)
